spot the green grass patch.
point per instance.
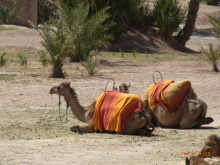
(3, 28)
(7, 77)
(138, 56)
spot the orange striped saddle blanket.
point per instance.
(169, 94)
(114, 109)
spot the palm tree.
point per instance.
(54, 40)
(184, 35)
(216, 23)
(85, 33)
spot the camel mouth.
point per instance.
(53, 90)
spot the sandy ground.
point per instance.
(31, 132)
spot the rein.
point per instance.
(67, 106)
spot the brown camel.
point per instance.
(123, 87)
(138, 124)
(191, 113)
(210, 153)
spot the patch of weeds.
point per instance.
(91, 66)
(122, 53)
(7, 77)
(23, 59)
(211, 55)
(134, 52)
(3, 59)
(43, 59)
(3, 28)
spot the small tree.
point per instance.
(216, 23)
(54, 40)
(211, 55)
(168, 15)
(84, 33)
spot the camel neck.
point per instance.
(75, 106)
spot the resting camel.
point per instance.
(123, 87)
(186, 110)
(138, 124)
(210, 153)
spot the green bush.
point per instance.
(123, 12)
(168, 16)
(54, 40)
(85, 33)
(91, 66)
(9, 13)
(46, 10)
(211, 55)
(3, 59)
(216, 23)
(23, 59)
(43, 59)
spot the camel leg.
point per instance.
(81, 129)
(137, 126)
(194, 114)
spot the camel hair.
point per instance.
(210, 153)
(139, 124)
(190, 114)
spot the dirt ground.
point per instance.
(31, 132)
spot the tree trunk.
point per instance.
(184, 35)
(57, 72)
(215, 68)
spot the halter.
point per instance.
(59, 104)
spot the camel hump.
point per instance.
(114, 109)
(175, 93)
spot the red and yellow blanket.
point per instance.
(114, 109)
(169, 93)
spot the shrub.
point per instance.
(211, 55)
(54, 40)
(85, 33)
(23, 59)
(3, 59)
(91, 66)
(216, 23)
(8, 14)
(122, 12)
(43, 59)
(46, 10)
(168, 15)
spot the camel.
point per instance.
(210, 153)
(138, 124)
(123, 87)
(191, 113)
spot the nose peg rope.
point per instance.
(66, 119)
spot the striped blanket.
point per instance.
(169, 94)
(114, 109)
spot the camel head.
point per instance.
(212, 145)
(123, 87)
(60, 89)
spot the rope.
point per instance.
(66, 119)
(108, 82)
(153, 76)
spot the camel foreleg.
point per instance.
(82, 129)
